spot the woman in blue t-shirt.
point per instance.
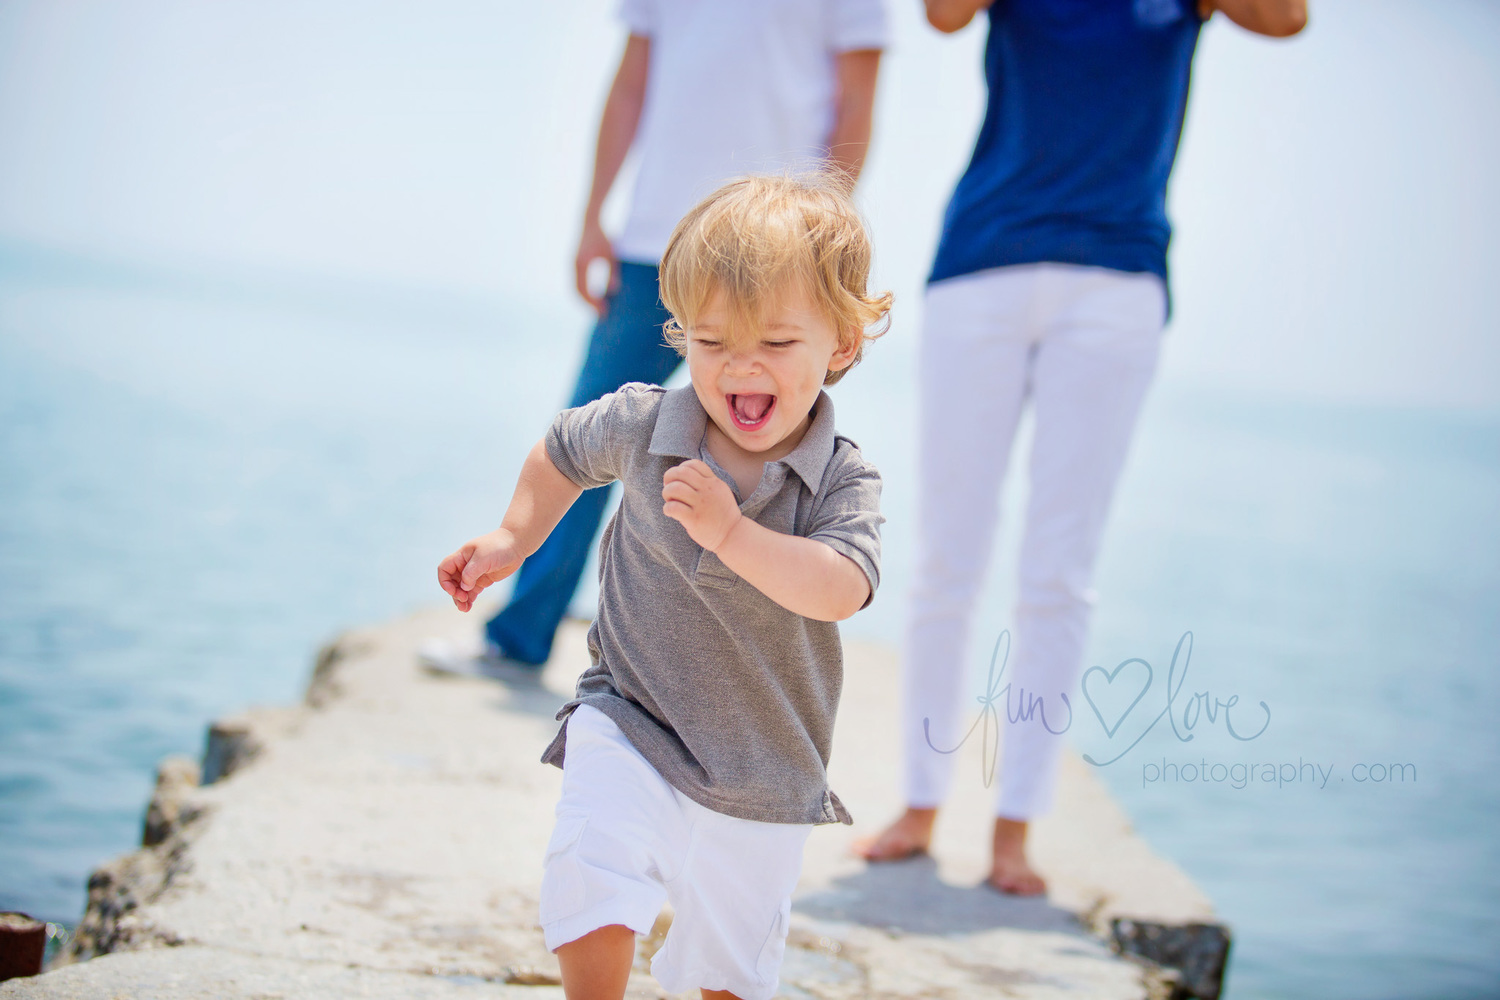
(1050, 285)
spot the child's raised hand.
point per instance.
(701, 502)
(485, 560)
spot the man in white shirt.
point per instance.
(704, 92)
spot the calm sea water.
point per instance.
(202, 479)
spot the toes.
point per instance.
(873, 849)
(886, 848)
(1022, 883)
(1032, 886)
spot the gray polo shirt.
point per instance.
(730, 696)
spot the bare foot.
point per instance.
(1010, 872)
(908, 836)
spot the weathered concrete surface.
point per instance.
(385, 840)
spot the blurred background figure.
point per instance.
(704, 92)
(1049, 287)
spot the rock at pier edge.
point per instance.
(385, 840)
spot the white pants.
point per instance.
(1081, 343)
(626, 841)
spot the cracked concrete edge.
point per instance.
(197, 972)
(114, 927)
(121, 889)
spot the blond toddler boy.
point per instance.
(694, 753)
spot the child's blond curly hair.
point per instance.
(756, 236)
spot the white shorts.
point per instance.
(626, 841)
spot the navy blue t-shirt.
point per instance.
(1086, 101)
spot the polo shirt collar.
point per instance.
(681, 421)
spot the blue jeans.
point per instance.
(626, 346)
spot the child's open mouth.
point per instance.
(751, 410)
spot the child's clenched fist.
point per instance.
(701, 502)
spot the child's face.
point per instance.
(759, 391)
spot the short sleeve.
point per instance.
(638, 16)
(848, 519)
(856, 24)
(589, 443)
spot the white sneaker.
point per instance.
(445, 658)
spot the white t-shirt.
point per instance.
(733, 87)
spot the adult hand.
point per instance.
(953, 15)
(701, 502)
(594, 245)
(1273, 18)
(484, 560)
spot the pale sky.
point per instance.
(1335, 201)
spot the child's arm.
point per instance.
(802, 575)
(543, 495)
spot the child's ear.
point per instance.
(848, 348)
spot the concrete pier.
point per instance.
(384, 839)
